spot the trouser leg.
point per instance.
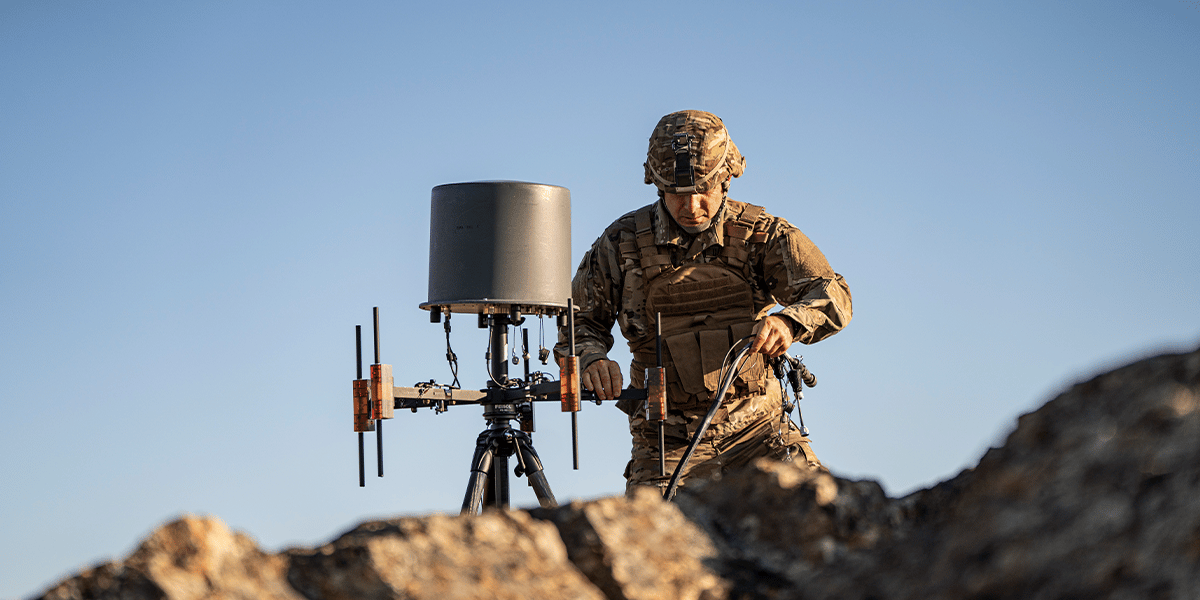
(723, 450)
(774, 437)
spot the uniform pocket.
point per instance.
(687, 361)
(714, 346)
(753, 370)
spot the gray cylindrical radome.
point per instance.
(502, 244)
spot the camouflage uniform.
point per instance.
(711, 288)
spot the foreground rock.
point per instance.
(497, 555)
(1094, 495)
(639, 549)
(188, 559)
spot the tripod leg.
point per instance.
(499, 474)
(481, 464)
(532, 465)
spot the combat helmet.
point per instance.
(690, 151)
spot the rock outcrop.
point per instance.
(501, 554)
(1094, 495)
(188, 559)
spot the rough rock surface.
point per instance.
(1094, 495)
(501, 554)
(638, 549)
(188, 559)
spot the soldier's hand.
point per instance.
(773, 336)
(604, 378)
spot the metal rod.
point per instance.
(662, 425)
(662, 448)
(525, 352)
(574, 418)
(378, 422)
(575, 439)
(376, 312)
(571, 324)
(527, 423)
(658, 339)
(362, 480)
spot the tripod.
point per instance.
(499, 441)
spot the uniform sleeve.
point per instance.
(596, 292)
(813, 297)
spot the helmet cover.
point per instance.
(690, 152)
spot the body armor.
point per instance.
(705, 307)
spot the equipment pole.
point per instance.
(379, 409)
(575, 385)
(662, 422)
(362, 479)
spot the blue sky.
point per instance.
(198, 202)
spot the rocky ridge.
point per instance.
(1094, 495)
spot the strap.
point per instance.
(641, 220)
(750, 216)
(642, 251)
(655, 260)
(651, 258)
(740, 231)
(736, 256)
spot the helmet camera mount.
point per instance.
(685, 169)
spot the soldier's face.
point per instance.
(694, 211)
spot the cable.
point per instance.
(451, 357)
(726, 382)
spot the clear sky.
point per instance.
(199, 200)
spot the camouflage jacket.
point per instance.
(785, 269)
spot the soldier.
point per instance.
(713, 268)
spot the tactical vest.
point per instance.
(706, 308)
